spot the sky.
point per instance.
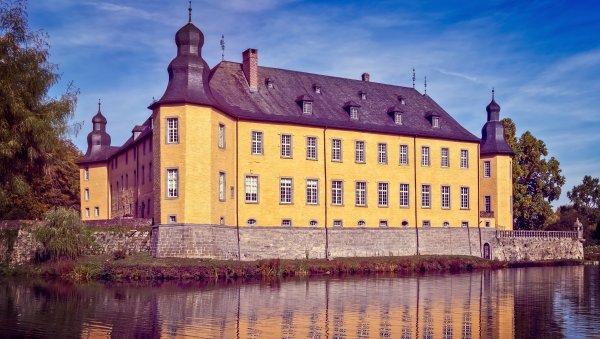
(542, 57)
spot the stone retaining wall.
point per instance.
(535, 249)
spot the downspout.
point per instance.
(325, 186)
(478, 202)
(237, 188)
(415, 174)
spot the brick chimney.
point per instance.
(365, 77)
(250, 68)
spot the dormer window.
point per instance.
(306, 102)
(354, 113)
(307, 107)
(363, 95)
(317, 88)
(402, 101)
(398, 118)
(269, 83)
(435, 122)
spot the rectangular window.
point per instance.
(286, 146)
(361, 193)
(403, 154)
(312, 191)
(425, 196)
(86, 174)
(96, 211)
(338, 223)
(359, 151)
(222, 186)
(257, 143)
(398, 118)
(404, 201)
(251, 189)
(337, 187)
(172, 219)
(425, 156)
(221, 136)
(307, 107)
(353, 113)
(382, 194)
(446, 197)
(172, 183)
(464, 158)
(445, 157)
(383, 223)
(464, 198)
(464, 224)
(487, 169)
(487, 202)
(87, 212)
(172, 130)
(336, 150)
(285, 190)
(382, 151)
(426, 223)
(435, 121)
(286, 222)
(86, 194)
(311, 148)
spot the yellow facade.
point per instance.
(95, 200)
(497, 185)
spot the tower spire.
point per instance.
(493, 92)
(425, 85)
(222, 47)
(190, 12)
(99, 104)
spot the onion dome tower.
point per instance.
(492, 133)
(98, 139)
(188, 71)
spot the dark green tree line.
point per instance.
(36, 159)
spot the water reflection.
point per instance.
(559, 301)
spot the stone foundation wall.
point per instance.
(285, 243)
(194, 241)
(535, 249)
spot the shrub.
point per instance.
(62, 236)
(119, 254)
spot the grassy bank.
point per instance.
(142, 267)
(592, 252)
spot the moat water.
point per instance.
(548, 302)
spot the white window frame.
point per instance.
(487, 203)
(464, 198)
(464, 158)
(172, 183)
(464, 224)
(96, 211)
(383, 223)
(312, 191)
(221, 142)
(336, 150)
(425, 196)
(404, 195)
(285, 145)
(222, 185)
(257, 139)
(251, 189)
(311, 148)
(383, 194)
(487, 169)
(425, 153)
(382, 156)
(360, 196)
(353, 113)
(445, 158)
(338, 223)
(435, 122)
(172, 130)
(86, 174)
(403, 154)
(426, 223)
(172, 219)
(286, 190)
(445, 199)
(86, 194)
(313, 223)
(359, 151)
(87, 212)
(398, 118)
(337, 192)
(287, 222)
(307, 107)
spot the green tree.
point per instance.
(585, 198)
(33, 126)
(536, 181)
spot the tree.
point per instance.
(585, 198)
(536, 181)
(33, 126)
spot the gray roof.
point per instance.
(281, 103)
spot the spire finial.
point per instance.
(493, 92)
(414, 78)
(222, 47)
(425, 85)
(190, 12)
(99, 104)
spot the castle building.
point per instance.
(247, 146)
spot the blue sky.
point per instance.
(543, 57)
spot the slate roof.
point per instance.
(279, 104)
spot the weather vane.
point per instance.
(190, 11)
(99, 103)
(222, 47)
(414, 78)
(425, 85)
(493, 92)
